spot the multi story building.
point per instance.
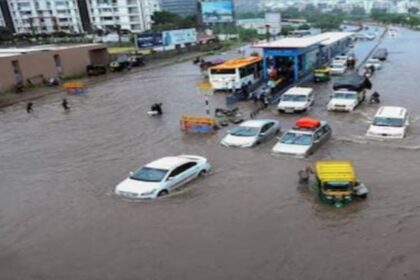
(2, 22)
(45, 15)
(180, 7)
(133, 15)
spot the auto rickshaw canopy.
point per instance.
(335, 171)
(323, 70)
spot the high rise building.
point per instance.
(2, 22)
(45, 15)
(133, 15)
(180, 7)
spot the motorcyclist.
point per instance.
(375, 97)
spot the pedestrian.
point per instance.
(29, 107)
(65, 105)
(304, 175)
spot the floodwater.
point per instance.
(248, 219)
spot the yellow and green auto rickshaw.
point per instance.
(337, 183)
(322, 74)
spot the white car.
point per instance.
(251, 133)
(338, 67)
(340, 58)
(373, 62)
(162, 176)
(344, 100)
(389, 123)
(296, 99)
(304, 139)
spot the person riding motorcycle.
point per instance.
(375, 98)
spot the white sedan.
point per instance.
(373, 62)
(251, 133)
(162, 176)
(338, 67)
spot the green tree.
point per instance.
(286, 29)
(358, 12)
(5, 34)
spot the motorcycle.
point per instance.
(374, 100)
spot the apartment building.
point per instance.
(2, 22)
(133, 15)
(45, 15)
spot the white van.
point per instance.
(296, 99)
(389, 123)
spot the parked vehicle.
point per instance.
(338, 67)
(95, 69)
(349, 92)
(296, 99)
(136, 60)
(304, 139)
(381, 54)
(376, 63)
(389, 123)
(322, 74)
(120, 63)
(251, 133)
(337, 183)
(162, 176)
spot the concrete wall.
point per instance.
(34, 64)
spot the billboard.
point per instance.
(149, 40)
(179, 37)
(217, 11)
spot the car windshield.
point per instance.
(382, 121)
(337, 65)
(342, 95)
(295, 98)
(293, 138)
(244, 131)
(337, 186)
(148, 174)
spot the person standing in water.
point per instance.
(29, 107)
(65, 105)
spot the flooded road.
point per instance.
(248, 219)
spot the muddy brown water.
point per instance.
(248, 219)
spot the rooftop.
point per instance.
(4, 52)
(325, 39)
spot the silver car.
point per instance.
(251, 133)
(303, 142)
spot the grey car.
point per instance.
(303, 142)
(251, 133)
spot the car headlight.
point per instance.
(149, 192)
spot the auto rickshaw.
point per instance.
(322, 74)
(337, 183)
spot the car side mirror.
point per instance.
(170, 179)
(228, 132)
(262, 134)
(131, 173)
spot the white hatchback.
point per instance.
(162, 176)
(376, 63)
(389, 123)
(296, 99)
(338, 67)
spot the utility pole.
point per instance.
(267, 32)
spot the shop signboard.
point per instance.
(179, 37)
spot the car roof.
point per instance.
(167, 162)
(256, 123)
(299, 91)
(391, 111)
(308, 130)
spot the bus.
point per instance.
(236, 73)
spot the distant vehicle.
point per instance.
(299, 33)
(381, 54)
(338, 67)
(340, 58)
(162, 176)
(376, 63)
(349, 92)
(365, 36)
(296, 99)
(236, 73)
(251, 133)
(304, 139)
(95, 69)
(120, 63)
(389, 123)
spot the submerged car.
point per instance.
(381, 54)
(338, 67)
(296, 99)
(389, 123)
(376, 63)
(162, 176)
(120, 63)
(304, 139)
(251, 133)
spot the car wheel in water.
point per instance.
(162, 193)
(202, 173)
